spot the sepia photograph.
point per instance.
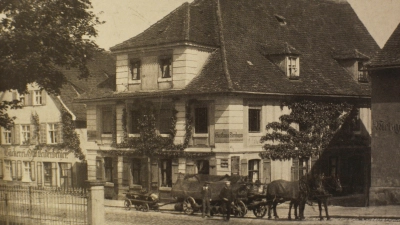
(172, 112)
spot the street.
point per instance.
(117, 215)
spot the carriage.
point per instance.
(187, 192)
(141, 200)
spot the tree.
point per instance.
(38, 38)
(318, 123)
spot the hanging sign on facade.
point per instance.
(228, 136)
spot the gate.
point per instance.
(42, 205)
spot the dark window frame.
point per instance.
(254, 126)
(251, 171)
(135, 66)
(106, 120)
(201, 120)
(166, 67)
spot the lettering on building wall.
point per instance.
(36, 153)
(381, 125)
(228, 136)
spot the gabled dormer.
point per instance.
(354, 62)
(284, 56)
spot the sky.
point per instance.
(128, 18)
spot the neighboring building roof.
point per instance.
(390, 54)
(101, 69)
(245, 31)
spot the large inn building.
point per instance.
(222, 69)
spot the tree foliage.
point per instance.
(38, 37)
(317, 123)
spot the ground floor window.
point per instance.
(203, 166)
(166, 173)
(47, 172)
(65, 175)
(108, 169)
(136, 171)
(254, 170)
(300, 167)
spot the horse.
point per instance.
(330, 185)
(296, 192)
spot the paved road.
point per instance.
(166, 217)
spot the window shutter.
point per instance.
(99, 169)
(295, 169)
(44, 95)
(59, 132)
(34, 140)
(189, 167)
(213, 166)
(17, 134)
(154, 173)
(1, 168)
(13, 170)
(32, 164)
(235, 165)
(43, 133)
(54, 174)
(29, 98)
(175, 170)
(125, 173)
(267, 171)
(243, 171)
(19, 170)
(39, 174)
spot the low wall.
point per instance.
(384, 196)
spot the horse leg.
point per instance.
(274, 207)
(296, 206)
(320, 210)
(290, 209)
(326, 209)
(269, 210)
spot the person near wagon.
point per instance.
(226, 196)
(206, 199)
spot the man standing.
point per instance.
(226, 196)
(206, 198)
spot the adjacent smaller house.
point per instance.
(41, 149)
(385, 157)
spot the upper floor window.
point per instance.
(164, 121)
(201, 120)
(107, 120)
(6, 136)
(166, 67)
(25, 134)
(292, 70)
(37, 97)
(362, 73)
(255, 119)
(356, 123)
(22, 99)
(134, 122)
(135, 70)
(53, 133)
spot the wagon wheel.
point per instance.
(187, 206)
(138, 207)
(145, 207)
(240, 209)
(260, 211)
(127, 204)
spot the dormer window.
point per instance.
(166, 67)
(292, 69)
(362, 73)
(135, 70)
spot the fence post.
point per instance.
(95, 202)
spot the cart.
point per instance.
(141, 200)
(254, 196)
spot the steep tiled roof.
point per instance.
(102, 68)
(390, 54)
(190, 22)
(245, 31)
